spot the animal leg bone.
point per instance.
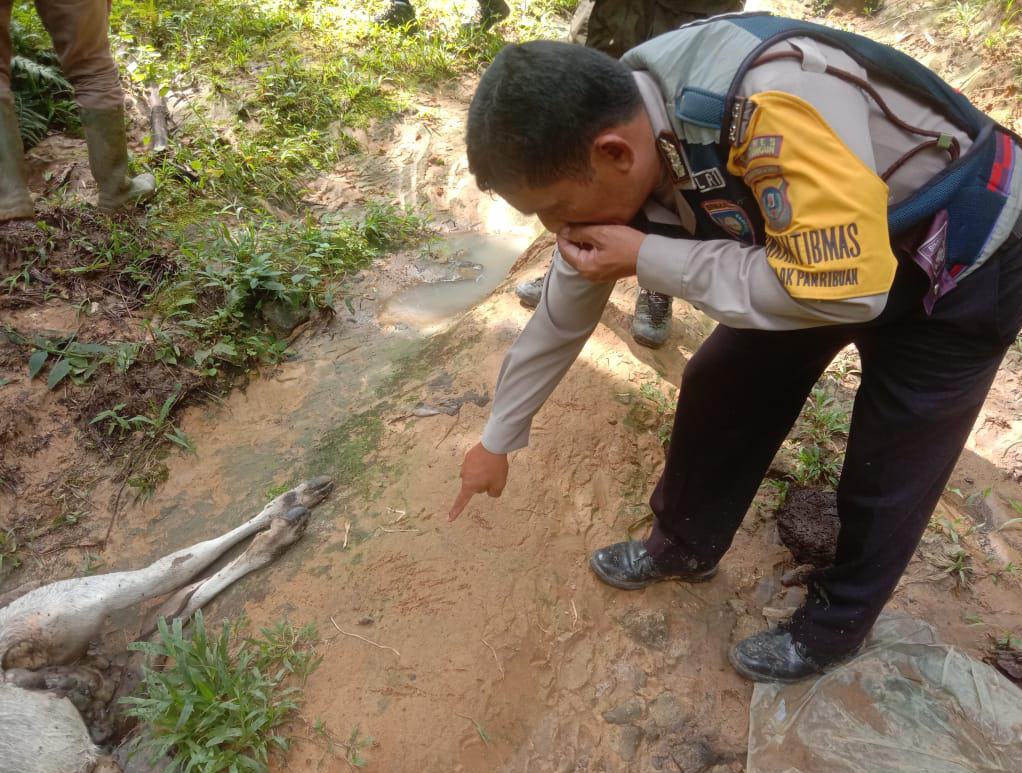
(266, 546)
(54, 624)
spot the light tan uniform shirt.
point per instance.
(731, 282)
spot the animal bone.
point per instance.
(51, 626)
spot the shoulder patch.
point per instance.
(730, 217)
(761, 146)
(759, 172)
(776, 205)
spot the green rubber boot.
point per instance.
(15, 203)
(107, 141)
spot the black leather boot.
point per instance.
(629, 566)
(775, 656)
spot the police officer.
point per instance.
(809, 189)
(79, 33)
(614, 26)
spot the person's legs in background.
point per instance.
(15, 202)
(401, 13)
(79, 32)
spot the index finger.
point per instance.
(464, 496)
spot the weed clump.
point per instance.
(219, 700)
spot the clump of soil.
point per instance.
(1008, 660)
(808, 525)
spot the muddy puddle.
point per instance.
(476, 263)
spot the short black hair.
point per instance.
(537, 110)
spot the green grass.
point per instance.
(219, 701)
(9, 547)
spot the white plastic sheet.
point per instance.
(907, 703)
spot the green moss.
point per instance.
(345, 452)
(275, 491)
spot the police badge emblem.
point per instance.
(673, 156)
(773, 199)
(731, 218)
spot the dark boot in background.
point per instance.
(400, 14)
(15, 203)
(492, 12)
(652, 321)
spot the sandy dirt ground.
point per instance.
(487, 644)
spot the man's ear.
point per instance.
(613, 148)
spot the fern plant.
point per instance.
(42, 95)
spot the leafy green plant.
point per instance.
(9, 547)
(957, 562)
(814, 465)
(158, 425)
(1006, 32)
(824, 418)
(665, 407)
(1017, 507)
(42, 96)
(959, 567)
(356, 742)
(965, 15)
(219, 701)
(91, 563)
(1008, 569)
(78, 360)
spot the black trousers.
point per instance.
(924, 380)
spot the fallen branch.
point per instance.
(158, 120)
(363, 638)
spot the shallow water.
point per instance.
(490, 256)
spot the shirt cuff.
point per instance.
(499, 438)
(662, 263)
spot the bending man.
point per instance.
(809, 189)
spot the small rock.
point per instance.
(646, 627)
(731, 767)
(628, 742)
(630, 675)
(468, 270)
(283, 317)
(624, 714)
(602, 688)
(688, 755)
(666, 712)
(778, 614)
(797, 576)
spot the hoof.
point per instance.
(297, 515)
(314, 491)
